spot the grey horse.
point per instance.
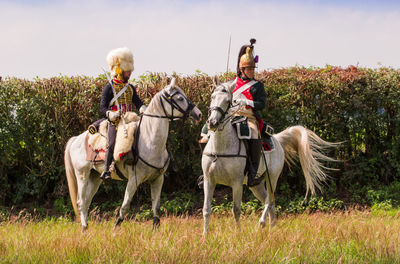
(224, 158)
(153, 160)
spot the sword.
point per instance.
(116, 101)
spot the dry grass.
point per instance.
(350, 237)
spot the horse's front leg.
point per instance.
(156, 187)
(133, 182)
(237, 190)
(209, 188)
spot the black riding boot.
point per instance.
(254, 154)
(106, 175)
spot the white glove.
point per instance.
(112, 115)
(242, 101)
(142, 109)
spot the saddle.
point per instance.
(97, 142)
(244, 132)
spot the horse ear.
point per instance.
(172, 84)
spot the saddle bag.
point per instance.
(266, 136)
(242, 127)
(267, 130)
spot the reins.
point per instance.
(169, 98)
(221, 125)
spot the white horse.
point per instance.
(153, 159)
(224, 158)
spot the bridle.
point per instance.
(169, 98)
(220, 126)
(224, 118)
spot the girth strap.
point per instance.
(216, 155)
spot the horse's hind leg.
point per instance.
(83, 204)
(92, 187)
(260, 192)
(237, 189)
(209, 188)
(156, 187)
(270, 202)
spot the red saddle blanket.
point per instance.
(94, 156)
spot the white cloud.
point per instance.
(73, 38)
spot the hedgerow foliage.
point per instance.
(356, 106)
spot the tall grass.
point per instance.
(349, 237)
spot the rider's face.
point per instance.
(126, 75)
(249, 72)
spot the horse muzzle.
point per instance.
(196, 114)
(212, 124)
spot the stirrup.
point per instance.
(254, 181)
(106, 175)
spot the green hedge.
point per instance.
(356, 106)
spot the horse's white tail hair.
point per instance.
(71, 177)
(300, 142)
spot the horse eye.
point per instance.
(180, 98)
(224, 91)
(213, 96)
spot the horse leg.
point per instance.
(270, 201)
(130, 190)
(260, 192)
(237, 189)
(156, 187)
(83, 204)
(209, 188)
(92, 187)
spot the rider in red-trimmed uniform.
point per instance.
(250, 95)
(120, 62)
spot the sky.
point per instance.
(72, 37)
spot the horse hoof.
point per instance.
(118, 222)
(156, 222)
(84, 228)
(262, 224)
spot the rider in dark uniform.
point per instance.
(120, 62)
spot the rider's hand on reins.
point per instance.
(113, 115)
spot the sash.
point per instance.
(246, 86)
(118, 94)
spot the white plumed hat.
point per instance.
(120, 58)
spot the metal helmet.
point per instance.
(246, 57)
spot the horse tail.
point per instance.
(300, 142)
(71, 177)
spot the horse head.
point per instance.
(221, 102)
(176, 105)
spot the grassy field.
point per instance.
(340, 237)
